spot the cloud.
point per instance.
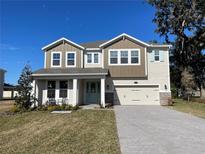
(7, 47)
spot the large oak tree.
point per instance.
(182, 23)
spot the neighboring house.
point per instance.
(2, 72)
(123, 70)
(10, 91)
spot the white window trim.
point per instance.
(129, 57)
(156, 61)
(64, 89)
(52, 58)
(50, 89)
(92, 58)
(66, 58)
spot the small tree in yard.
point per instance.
(188, 83)
(23, 100)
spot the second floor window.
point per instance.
(124, 57)
(113, 57)
(56, 59)
(134, 57)
(96, 59)
(156, 55)
(89, 58)
(70, 59)
(92, 58)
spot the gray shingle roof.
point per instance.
(70, 71)
(95, 44)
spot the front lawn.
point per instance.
(197, 109)
(83, 131)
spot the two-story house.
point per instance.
(123, 70)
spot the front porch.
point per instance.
(74, 90)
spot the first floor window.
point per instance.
(113, 57)
(124, 57)
(156, 55)
(63, 89)
(51, 89)
(70, 59)
(56, 59)
(134, 57)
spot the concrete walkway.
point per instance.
(158, 130)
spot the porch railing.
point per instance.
(59, 101)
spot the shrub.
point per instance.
(42, 108)
(108, 105)
(54, 108)
(58, 107)
(170, 102)
(68, 107)
(63, 106)
(75, 107)
(15, 109)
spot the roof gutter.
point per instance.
(76, 74)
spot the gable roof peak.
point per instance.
(126, 35)
(62, 39)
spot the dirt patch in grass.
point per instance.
(83, 131)
(194, 108)
(6, 105)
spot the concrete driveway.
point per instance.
(156, 130)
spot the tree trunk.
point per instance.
(200, 89)
(188, 98)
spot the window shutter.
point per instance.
(161, 56)
(151, 56)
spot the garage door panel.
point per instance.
(137, 95)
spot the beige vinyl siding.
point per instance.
(130, 70)
(63, 47)
(158, 73)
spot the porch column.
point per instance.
(75, 92)
(35, 91)
(57, 91)
(45, 91)
(102, 92)
(34, 88)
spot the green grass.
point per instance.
(194, 108)
(83, 131)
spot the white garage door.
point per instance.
(139, 95)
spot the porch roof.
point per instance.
(70, 71)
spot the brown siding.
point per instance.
(126, 71)
(63, 47)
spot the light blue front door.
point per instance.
(92, 92)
